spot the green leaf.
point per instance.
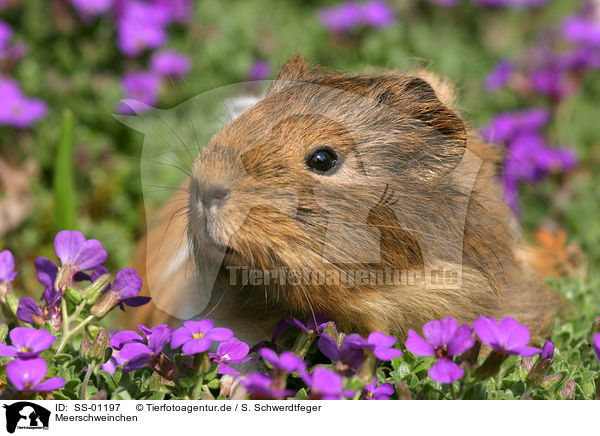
(108, 379)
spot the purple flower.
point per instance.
(262, 387)
(348, 354)
(511, 3)
(381, 345)
(141, 26)
(170, 63)
(552, 81)
(124, 291)
(142, 87)
(342, 18)
(530, 158)
(196, 336)
(27, 375)
(285, 362)
(91, 8)
(7, 272)
(134, 351)
(175, 10)
(76, 254)
(582, 30)
(506, 336)
(315, 325)
(16, 109)
(499, 75)
(443, 339)
(5, 36)
(547, 351)
(383, 392)
(232, 351)
(29, 311)
(325, 384)
(27, 342)
(377, 13)
(259, 70)
(506, 126)
(597, 345)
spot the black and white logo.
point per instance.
(26, 415)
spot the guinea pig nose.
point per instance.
(214, 195)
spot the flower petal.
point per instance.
(386, 353)
(7, 266)
(381, 340)
(219, 334)
(233, 348)
(46, 271)
(121, 338)
(417, 345)
(26, 373)
(27, 309)
(127, 283)
(513, 333)
(524, 351)
(196, 346)
(439, 333)
(461, 341)
(7, 350)
(198, 326)
(51, 384)
(67, 245)
(329, 347)
(446, 371)
(325, 381)
(32, 339)
(488, 330)
(180, 337)
(91, 255)
(226, 369)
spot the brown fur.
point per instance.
(414, 139)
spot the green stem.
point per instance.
(69, 334)
(65, 317)
(86, 379)
(197, 392)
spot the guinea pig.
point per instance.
(366, 199)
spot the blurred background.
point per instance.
(527, 74)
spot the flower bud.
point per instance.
(3, 332)
(595, 329)
(547, 351)
(63, 278)
(367, 368)
(73, 295)
(403, 391)
(99, 347)
(332, 331)
(84, 350)
(568, 390)
(227, 382)
(106, 302)
(539, 370)
(93, 292)
(12, 302)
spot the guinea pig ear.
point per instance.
(293, 71)
(419, 100)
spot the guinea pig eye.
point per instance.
(322, 160)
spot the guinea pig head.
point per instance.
(328, 172)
